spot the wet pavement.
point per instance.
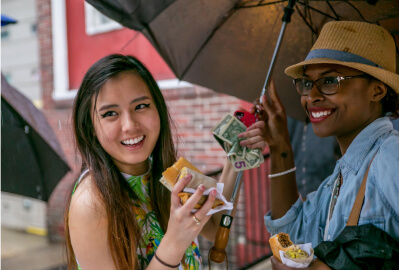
(21, 250)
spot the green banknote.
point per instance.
(242, 158)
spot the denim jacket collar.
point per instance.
(360, 147)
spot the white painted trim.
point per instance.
(60, 51)
(91, 31)
(65, 95)
(172, 84)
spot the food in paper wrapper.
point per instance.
(180, 169)
(298, 256)
(196, 180)
(169, 176)
(184, 196)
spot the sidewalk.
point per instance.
(265, 265)
(21, 250)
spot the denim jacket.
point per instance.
(306, 220)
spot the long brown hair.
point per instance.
(124, 235)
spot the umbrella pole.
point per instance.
(286, 19)
(217, 253)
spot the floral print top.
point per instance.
(152, 233)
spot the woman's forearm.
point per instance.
(284, 191)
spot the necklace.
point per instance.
(335, 194)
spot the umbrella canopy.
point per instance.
(32, 161)
(227, 45)
(6, 20)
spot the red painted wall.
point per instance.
(84, 50)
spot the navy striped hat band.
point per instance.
(340, 56)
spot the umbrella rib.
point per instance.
(161, 52)
(305, 21)
(333, 10)
(357, 10)
(265, 4)
(316, 10)
(130, 40)
(308, 13)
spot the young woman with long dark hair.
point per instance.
(120, 216)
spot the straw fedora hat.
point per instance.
(359, 45)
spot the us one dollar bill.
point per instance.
(242, 158)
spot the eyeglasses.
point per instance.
(326, 85)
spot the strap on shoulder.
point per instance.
(357, 205)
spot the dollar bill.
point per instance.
(242, 158)
(222, 125)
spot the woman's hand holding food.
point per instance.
(183, 226)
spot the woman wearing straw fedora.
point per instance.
(349, 89)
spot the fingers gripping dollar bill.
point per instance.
(242, 158)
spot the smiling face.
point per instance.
(126, 122)
(345, 113)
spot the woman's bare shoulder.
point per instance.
(86, 201)
(88, 227)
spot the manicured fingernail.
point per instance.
(201, 187)
(213, 192)
(189, 176)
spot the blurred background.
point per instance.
(46, 47)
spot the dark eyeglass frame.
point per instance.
(319, 87)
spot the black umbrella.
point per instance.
(227, 45)
(32, 161)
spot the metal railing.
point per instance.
(248, 240)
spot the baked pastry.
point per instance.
(169, 176)
(180, 169)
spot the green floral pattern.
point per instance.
(151, 230)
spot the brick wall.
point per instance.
(195, 111)
(45, 50)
